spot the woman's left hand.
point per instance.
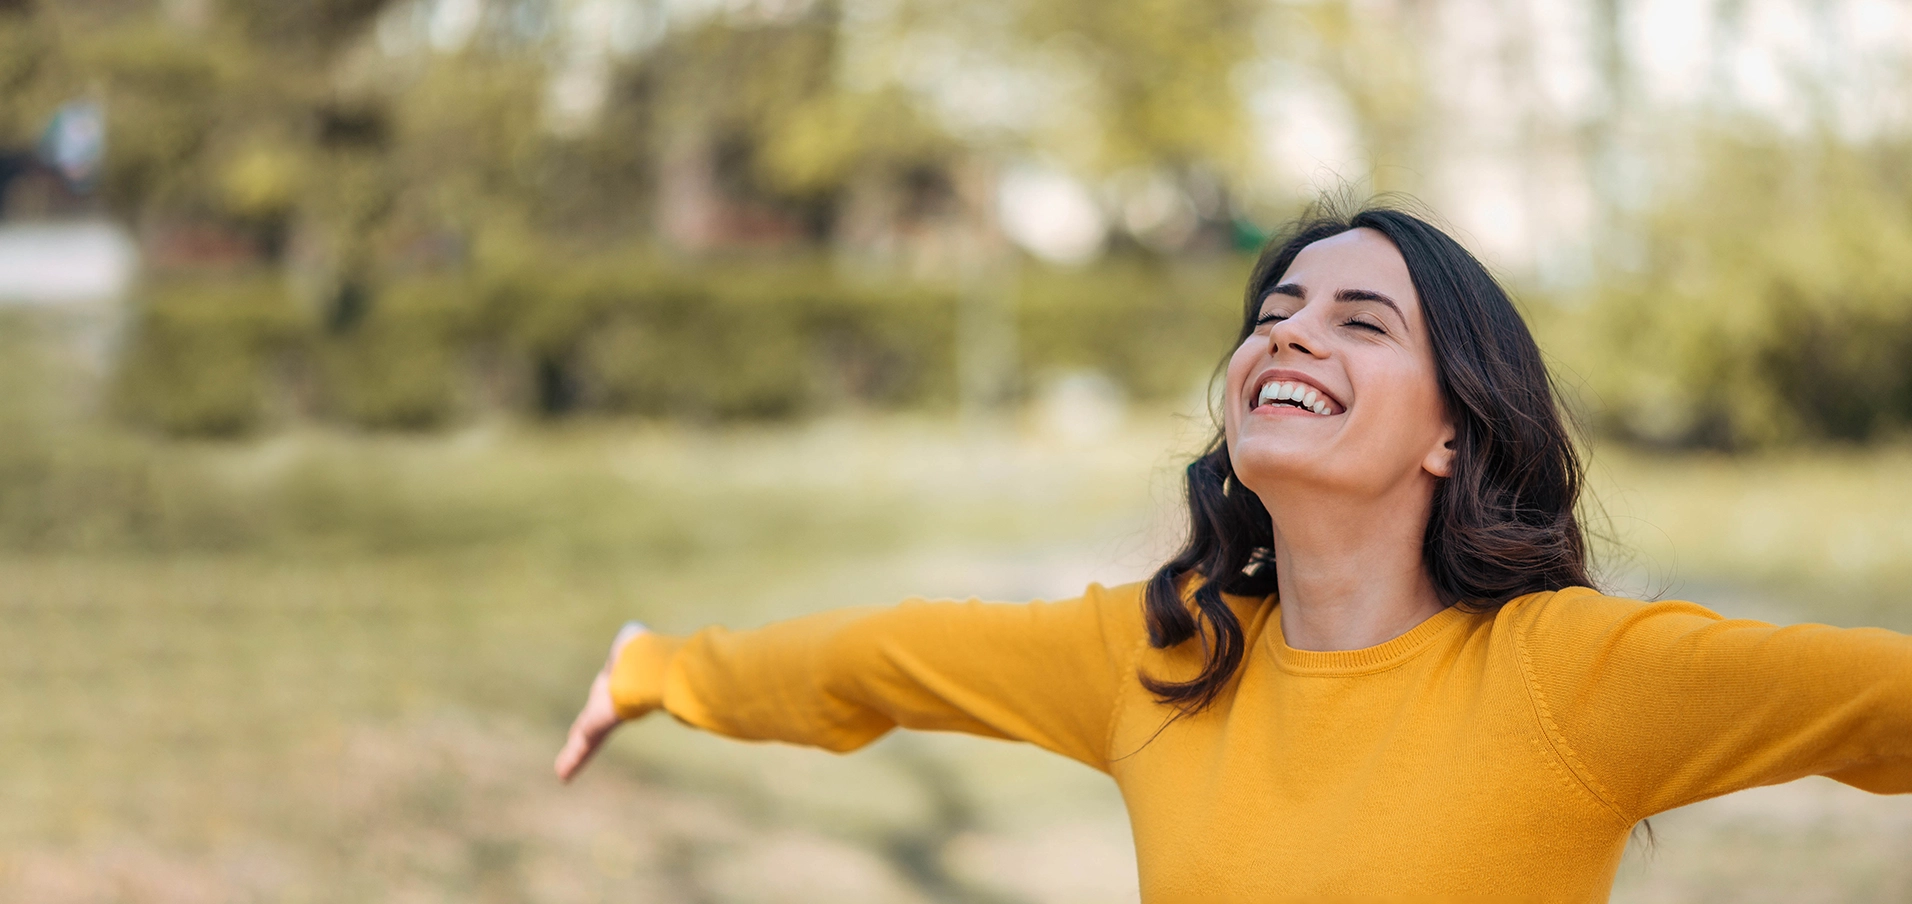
(598, 718)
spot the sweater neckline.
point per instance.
(1379, 657)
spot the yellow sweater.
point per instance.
(1500, 756)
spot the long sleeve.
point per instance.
(1657, 705)
(1049, 673)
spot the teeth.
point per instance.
(1300, 394)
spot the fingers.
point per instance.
(577, 750)
(571, 757)
(588, 731)
(585, 738)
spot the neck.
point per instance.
(1350, 573)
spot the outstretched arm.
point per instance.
(1044, 672)
(1659, 705)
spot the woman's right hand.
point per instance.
(598, 717)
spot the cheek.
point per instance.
(1411, 408)
(1244, 357)
(1239, 365)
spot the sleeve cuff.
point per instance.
(637, 675)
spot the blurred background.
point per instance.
(364, 363)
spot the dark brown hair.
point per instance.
(1504, 524)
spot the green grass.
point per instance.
(333, 667)
(1821, 534)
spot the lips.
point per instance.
(1289, 389)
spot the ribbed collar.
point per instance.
(1379, 657)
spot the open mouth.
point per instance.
(1296, 395)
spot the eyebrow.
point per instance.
(1295, 290)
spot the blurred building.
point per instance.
(64, 262)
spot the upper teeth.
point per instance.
(1299, 393)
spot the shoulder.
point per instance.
(1114, 612)
(1576, 621)
(1123, 608)
(1585, 605)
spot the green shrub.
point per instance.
(717, 339)
(197, 358)
(1769, 304)
(1153, 327)
(399, 366)
(724, 339)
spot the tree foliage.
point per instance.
(411, 184)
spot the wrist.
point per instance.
(625, 634)
(639, 665)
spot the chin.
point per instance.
(1264, 463)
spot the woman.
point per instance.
(1376, 670)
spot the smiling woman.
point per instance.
(1448, 384)
(1376, 670)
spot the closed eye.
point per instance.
(1367, 325)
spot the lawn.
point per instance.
(319, 666)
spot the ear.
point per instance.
(1440, 459)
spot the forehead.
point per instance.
(1356, 259)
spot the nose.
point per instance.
(1298, 334)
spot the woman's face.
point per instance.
(1343, 330)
